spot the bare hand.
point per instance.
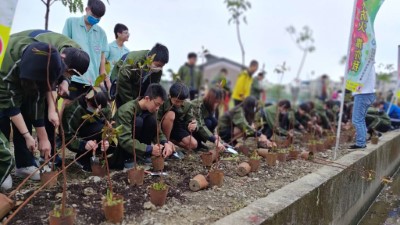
(63, 89)
(192, 126)
(156, 150)
(218, 144)
(91, 145)
(168, 150)
(45, 148)
(104, 145)
(30, 142)
(54, 119)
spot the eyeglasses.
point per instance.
(157, 104)
(126, 32)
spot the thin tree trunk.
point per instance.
(303, 60)
(46, 17)
(240, 43)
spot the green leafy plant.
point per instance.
(111, 200)
(159, 186)
(57, 211)
(254, 155)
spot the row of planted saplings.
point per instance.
(114, 205)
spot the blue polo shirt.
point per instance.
(115, 53)
(93, 41)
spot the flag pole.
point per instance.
(339, 127)
(394, 97)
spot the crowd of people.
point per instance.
(41, 66)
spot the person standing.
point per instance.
(117, 48)
(130, 81)
(256, 87)
(243, 83)
(191, 76)
(93, 40)
(362, 101)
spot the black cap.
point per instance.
(34, 60)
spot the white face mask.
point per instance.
(155, 69)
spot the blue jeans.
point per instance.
(360, 107)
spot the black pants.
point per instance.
(145, 132)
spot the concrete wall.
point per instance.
(328, 196)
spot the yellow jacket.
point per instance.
(242, 86)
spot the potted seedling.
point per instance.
(136, 175)
(157, 163)
(48, 175)
(374, 139)
(243, 169)
(208, 158)
(271, 157)
(254, 161)
(113, 206)
(198, 182)
(320, 146)
(293, 153)
(312, 146)
(6, 204)
(158, 193)
(98, 166)
(282, 155)
(57, 218)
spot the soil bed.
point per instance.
(182, 207)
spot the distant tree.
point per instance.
(280, 70)
(384, 75)
(73, 5)
(304, 41)
(237, 8)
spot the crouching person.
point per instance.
(204, 112)
(139, 130)
(177, 119)
(84, 134)
(238, 122)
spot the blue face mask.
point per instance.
(92, 20)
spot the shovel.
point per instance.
(156, 173)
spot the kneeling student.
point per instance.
(144, 131)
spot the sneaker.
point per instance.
(7, 183)
(26, 171)
(354, 147)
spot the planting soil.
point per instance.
(183, 206)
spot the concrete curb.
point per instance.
(328, 196)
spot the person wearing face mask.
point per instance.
(85, 134)
(76, 61)
(93, 40)
(243, 83)
(129, 82)
(25, 75)
(141, 113)
(204, 111)
(117, 48)
(176, 117)
(238, 122)
(272, 123)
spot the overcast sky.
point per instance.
(186, 25)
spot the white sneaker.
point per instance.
(7, 183)
(26, 171)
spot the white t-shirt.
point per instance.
(369, 84)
